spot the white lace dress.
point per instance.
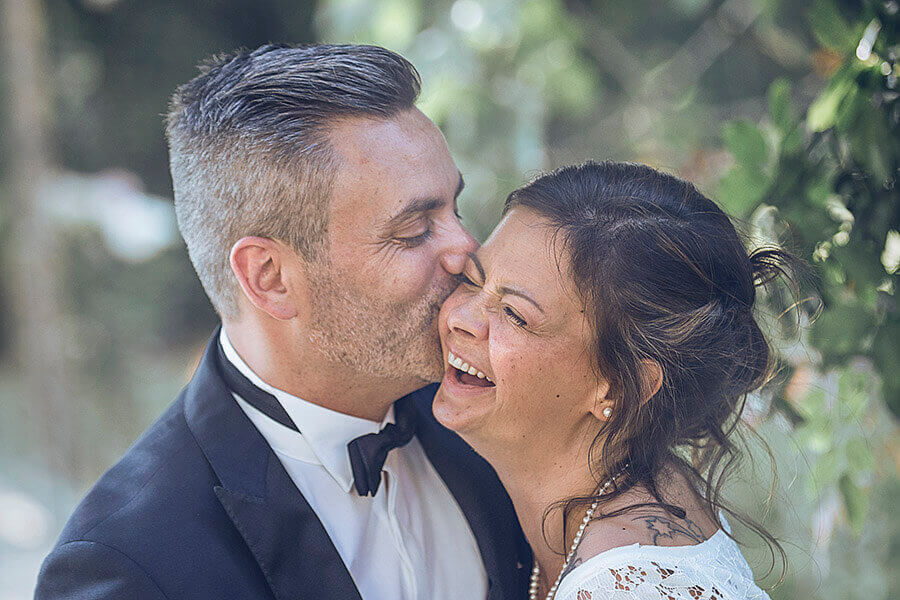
(714, 569)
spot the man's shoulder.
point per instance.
(140, 529)
(422, 400)
(162, 470)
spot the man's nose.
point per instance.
(459, 244)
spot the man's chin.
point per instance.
(431, 372)
(431, 354)
(429, 362)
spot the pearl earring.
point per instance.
(607, 411)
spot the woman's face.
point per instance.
(518, 320)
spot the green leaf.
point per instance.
(856, 501)
(854, 392)
(742, 189)
(859, 457)
(813, 406)
(861, 262)
(819, 192)
(841, 331)
(849, 109)
(825, 473)
(780, 109)
(829, 27)
(793, 141)
(822, 114)
(886, 356)
(746, 142)
(871, 143)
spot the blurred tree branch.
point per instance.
(30, 253)
(662, 85)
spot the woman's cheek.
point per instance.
(515, 372)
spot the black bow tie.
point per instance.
(367, 452)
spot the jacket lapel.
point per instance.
(483, 500)
(279, 527)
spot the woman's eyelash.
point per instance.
(519, 321)
(515, 318)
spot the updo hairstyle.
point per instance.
(663, 276)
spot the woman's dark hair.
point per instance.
(663, 276)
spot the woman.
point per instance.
(602, 333)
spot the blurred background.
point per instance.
(784, 111)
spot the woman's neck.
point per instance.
(537, 480)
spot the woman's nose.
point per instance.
(468, 319)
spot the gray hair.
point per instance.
(248, 146)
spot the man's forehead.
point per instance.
(386, 167)
(364, 139)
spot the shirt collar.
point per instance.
(325, 432)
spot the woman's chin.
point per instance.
(462, 408)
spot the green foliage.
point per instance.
(745, 185)
(830, 28)
(836, 191)
(832, 177)
(494, 76)
(522, 85)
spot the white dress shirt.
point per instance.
(411, 540)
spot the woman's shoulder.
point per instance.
(713, 569)
(706, 569)
(650, 550)
(665, 573)
(637, 517)
(648, 527)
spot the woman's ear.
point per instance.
(603, 404)
(652, 377)
(262, 267)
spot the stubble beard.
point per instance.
(376, 338)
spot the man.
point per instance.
(318, 206)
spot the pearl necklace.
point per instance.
(536, 572)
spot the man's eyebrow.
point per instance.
(422, 205)
(504, 289)
(419, 205)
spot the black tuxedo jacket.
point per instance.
(200, 507)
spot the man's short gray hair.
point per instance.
(248, 146)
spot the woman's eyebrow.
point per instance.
(512, 291)
(474, 258)
(521, 294)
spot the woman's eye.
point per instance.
(515, 318)
(412, 242)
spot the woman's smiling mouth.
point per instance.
(467, 374)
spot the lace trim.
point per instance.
(714, 569)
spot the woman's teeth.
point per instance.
(458, 363)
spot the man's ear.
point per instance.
(262, 267)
